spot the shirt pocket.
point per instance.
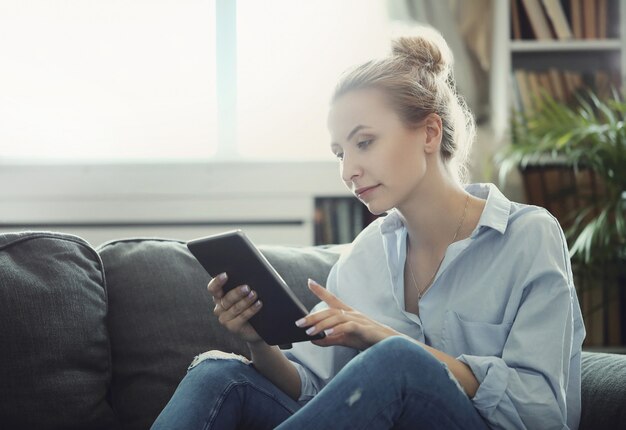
(463, 336)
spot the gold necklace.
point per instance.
(421, 292)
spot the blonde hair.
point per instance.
(418, 79)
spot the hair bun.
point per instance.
(423, 47)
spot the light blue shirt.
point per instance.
(503, 302)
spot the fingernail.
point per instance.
(300, 322)
(310, 330)
(329, 331)
(223, 276)
(245, 289)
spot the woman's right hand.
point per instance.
(234, 308)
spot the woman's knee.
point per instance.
(398, 351)
(401, 354)
(395, 345)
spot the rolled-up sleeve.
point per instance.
(317, 365)
(310, 383)
(526, 388)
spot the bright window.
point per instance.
(289, 57)
(107, 80)
(113, 80)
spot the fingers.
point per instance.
(322, 321)
(215, 287)
(242, 317)
(319, 315)
(326, 295)
(238, 299)
(235, 307)
(237, 314)
(235, 303)
(340, 335)
(216, 283)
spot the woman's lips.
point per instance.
(367, 192)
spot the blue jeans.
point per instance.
(394, 384)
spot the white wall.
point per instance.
(180, 193)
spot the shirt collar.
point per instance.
(495, 215)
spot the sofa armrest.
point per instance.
(603, 390)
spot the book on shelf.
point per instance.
(576, 18)
(339, 220)
(516, 21)
(559, 19)
(589, 19)
(603, 30)
(562, 85)
(556, 13)
(538, 19)
(344, 227)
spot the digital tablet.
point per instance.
(234, 253)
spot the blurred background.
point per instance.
(180, 119)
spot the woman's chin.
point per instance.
(376, 208)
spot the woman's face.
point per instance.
(382, 153)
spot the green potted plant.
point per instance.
(589, 134)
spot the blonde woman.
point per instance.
(455, 310)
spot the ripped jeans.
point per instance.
(394, 384)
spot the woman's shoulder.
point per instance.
(533, 222)
(535, 235)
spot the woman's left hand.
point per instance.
(343, 324)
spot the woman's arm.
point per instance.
(371, 332)
(271, 363)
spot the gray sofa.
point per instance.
(99, 338)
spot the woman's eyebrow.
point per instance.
(354, 130)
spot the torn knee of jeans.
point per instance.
(453, 378)
(356, 395)
(217, 354)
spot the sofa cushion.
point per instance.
(161, 315)
(55, 365)
(603, 391)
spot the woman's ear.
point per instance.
(433, 128)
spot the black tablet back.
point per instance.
(233, 252)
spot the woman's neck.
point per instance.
(432, 213)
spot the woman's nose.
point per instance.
(350, 170)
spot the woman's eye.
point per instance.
(364, 143)
(361, 144)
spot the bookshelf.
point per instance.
(339, 219)
(588, 52)
(561, 47)
(585, 53)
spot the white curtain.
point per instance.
(466, 26)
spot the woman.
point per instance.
(456, 310)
